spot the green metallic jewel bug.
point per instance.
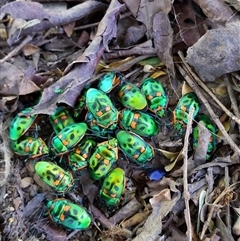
(29, 147)
(213, 139)
(134, 147)
(68, 214)
(101, 107)
(156, 97)
(180, 114)
(69, 137)
(57, 178)
(21, 123)
(109, 81)
(80, 103)
(103, 158)
(112, 187)
(78, 158)
(60, 119)
(138, 122)
(95, 128)
(132, 97)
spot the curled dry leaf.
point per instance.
(164, 195)
(158, 73)
(114, 65)
(168, 154)
(169, 167)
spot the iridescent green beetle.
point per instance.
(180, 114)
(95, 128)
(132, 97)
(108, 81)
(21, 123)
(213, 139)
(134, 147)
(52, 174)
(68, 214)
(112, 187)
(156, 97)
(80, 103)
(69, 137)
(60, 119)
(138, 122)
(78, 158)
(29, 147)
(103, 158)
(101, 107)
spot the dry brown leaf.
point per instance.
(190, 25)
(216, 11)
(170, 166)
(168, 154)
(234, 3)
(83, 39)
(215, 54)
(163, 38)
(153, 225)
(144, 11)
(68, 28)
(224, 231)
(16, 202)
(26, 182)
(203, 141)
(158, 73)
(164, 195)
(186, 88)
(30, 49)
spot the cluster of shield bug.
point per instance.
(110, 116)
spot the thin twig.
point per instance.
(16, 49)
(185, 175)
(232, 98)
(198, 92)
(227, 207)
(202, 85)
